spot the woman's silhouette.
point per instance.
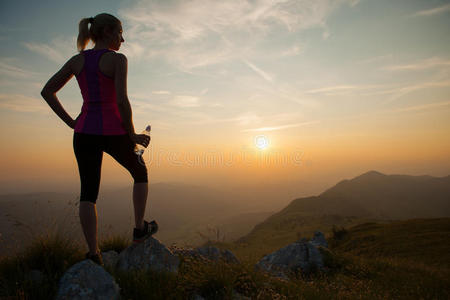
(104, 124)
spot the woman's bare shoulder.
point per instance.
(116, 56)
(76, 57)
(76, 63)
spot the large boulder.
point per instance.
(303, 256)
(87, 280)
(148, 255)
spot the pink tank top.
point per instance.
(99, 113)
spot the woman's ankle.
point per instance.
(94, 253)
(141, 226)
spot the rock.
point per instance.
(148, 255)
(110, 258)
(214, 253)
(319, 240)
(302, 255)
(87, 280)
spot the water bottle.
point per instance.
(139, 149)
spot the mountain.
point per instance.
(372, 196)
(375, 195)
(396, 196)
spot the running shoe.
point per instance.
(140, 235)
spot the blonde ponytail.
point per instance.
(83, 35)
(96, 31)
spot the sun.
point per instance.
(261, 142)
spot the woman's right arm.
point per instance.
(120, 82)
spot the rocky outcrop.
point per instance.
(87, 280)
(302, 256)
(149, 255)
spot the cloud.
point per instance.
(258, 71)
(292, 51)
(59, 50)
(8, 70)
(339, 90)
(247, 119)
(200, 33)
(433, 11)
(22, 103)
(425, 106)
(185, 101)
(397, 93)
(262, 129)
(433, 62)
(161, 92)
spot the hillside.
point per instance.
(399, 260)
(420, 240)
(369, 197)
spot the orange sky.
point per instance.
(335, 91)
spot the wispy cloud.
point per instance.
(161, 92)
(259, 71)
(22, 103)
(433, 11)
(198, 33)
(185, 101)
(273, 128)
(8, 70)
(397, 93)
(292, 51)
(336, 90)
(58, 50)
(428, 63)
(425, 106)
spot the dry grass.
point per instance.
(351, 273)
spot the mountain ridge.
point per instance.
(369, 197)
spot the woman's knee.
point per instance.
(140, 175)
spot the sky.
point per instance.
(332, 89)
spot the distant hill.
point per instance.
(372, 196)
(375, 195)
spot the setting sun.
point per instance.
(261, 142)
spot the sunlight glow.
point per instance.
(261, 142)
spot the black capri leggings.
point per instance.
(89, 150)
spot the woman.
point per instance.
(104, 124)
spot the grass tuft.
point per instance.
(49, 255)
(116, 243)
